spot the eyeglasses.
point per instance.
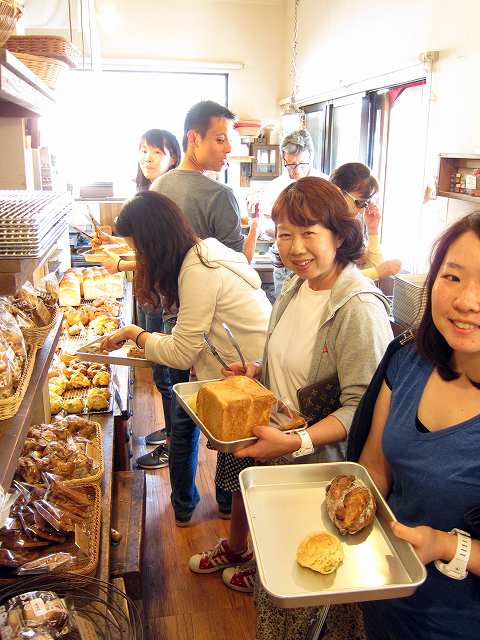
(297, 165)
(360, 204)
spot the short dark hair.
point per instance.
(430, 342)
(355, 176)
(162, 139)
(162, 236)
(198, 118)
(313, 200)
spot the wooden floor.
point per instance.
(178, 604)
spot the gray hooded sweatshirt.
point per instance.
(352, 337)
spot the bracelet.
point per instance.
(118, 264)
(138, 335)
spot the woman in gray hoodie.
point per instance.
(330, 323)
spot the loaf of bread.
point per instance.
(69, 291)
(320, 551)
(230, 408)
(351, 505)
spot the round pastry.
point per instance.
(320, 551)
(56, 403)
(104, 391)
(73, 405)
(101, 379)
(96, 400)
(351, 505)
(67, 357)
(79, 381)
(60, 381)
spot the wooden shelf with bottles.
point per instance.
(450, 164)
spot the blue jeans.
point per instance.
(153, 321)
(280, 274)
(183, 452)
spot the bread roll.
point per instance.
(320, 551)
(351, 505)
(69, 292)
(230, 408)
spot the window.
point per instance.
(385, 129)
(101, 115)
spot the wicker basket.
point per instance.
(48, 46)
(10, 406)
(94, 521)
(409, 299)
(37, 336)
(10, 12)
(94, 478)
(47, 69)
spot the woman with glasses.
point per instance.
(297, 156)
(359, 186)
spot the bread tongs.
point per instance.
(213, 351)
(234, 343)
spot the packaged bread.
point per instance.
(7, 382)
(351, 505)
(13, 335)
(38, 609)
(230, 408)
(320, 551)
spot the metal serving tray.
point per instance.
(90, 353)
(184, 391)
(286, 503)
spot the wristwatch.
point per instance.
(457, 567)
(306, 445)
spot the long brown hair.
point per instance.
(162, 237)
(430, 342)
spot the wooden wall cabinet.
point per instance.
(450, 165)
(266, 163)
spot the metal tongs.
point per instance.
(213, 351)
(234, 343)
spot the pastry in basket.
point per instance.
(56, 403)
(101, 379)
(77, 425)
(320, 551)
(230, 408)
(78, 381)
(96, 400)
(351, 505)
(73, 405)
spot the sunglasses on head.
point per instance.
(360, 204)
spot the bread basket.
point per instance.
(10, 12)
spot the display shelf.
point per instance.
(14, 430)
(451, 164)
(22, 93)
(459, 196)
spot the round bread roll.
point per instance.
(320, 551)
(351, 505)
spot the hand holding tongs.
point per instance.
(213, 351)
(234, 343)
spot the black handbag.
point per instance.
(318, 400)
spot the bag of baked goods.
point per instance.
(35, 610)
(29, 300)
(7, 370)
(13, 335)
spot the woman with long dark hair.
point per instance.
(423, 449)
(158, 152)
(210, 284)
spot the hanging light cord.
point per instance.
(293, 71)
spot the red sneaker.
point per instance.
(220, 557)
(241, 578)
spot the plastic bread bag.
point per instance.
(284, 417)
(12, 333)
(25, 633)
(50, 285)
(28, 298)
(38, 609)
(8, 369)
(60, 561)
